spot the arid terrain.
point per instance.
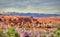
(30, 23)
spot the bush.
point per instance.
(57, 32)
(11, 32)
(1, 32)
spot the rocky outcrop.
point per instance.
(29, 21)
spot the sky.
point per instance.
(33, 6)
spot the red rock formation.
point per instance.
(32, 22)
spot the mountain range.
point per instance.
(31, 14)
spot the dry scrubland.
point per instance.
(28, 26)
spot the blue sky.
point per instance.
(37, 6)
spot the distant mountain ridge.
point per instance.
(31, 14)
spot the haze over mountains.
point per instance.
(30, 14)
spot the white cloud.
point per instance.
(42, 6)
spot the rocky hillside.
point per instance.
(30, 21)
(29, 26)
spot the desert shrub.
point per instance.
(11, 32)
(57, 34)
(1, 32)
(43, 35)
